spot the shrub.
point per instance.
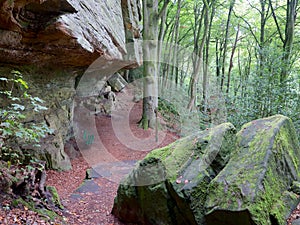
(14, 132)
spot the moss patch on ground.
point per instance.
(47, 214)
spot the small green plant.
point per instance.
(16, 101)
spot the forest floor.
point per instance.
(89, 201)
(92, 202)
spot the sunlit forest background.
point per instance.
(247, 51)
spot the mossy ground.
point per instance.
(55, 197)
(48, 214)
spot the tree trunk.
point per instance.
(176, 30)
(226, 43)
(231, 59)
(287, 40)
(198, 62)
(151, 17)
(289, 37)
(206, 60)
(150, 20)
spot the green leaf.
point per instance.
(19, 134)
(26, 95)
(15, 99)
(38, 107)
(22, 82)
(5, 124)
(7, 132)
(8, 93)
(17, 73)
(21, 116)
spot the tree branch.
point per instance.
(249, 26)
(254, 7)
(276, 21)
(161, 12)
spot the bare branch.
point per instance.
(276, 21)
(254, 7)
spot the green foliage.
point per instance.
(165, 106)
(263, 94)
(14, 130)
(262, 81)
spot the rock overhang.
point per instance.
(66, 33)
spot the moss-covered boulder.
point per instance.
(170, 185)
(253, 187)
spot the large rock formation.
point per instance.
(253, 188)
(170, 185)
(52, 42)
(192, 182)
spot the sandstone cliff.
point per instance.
(52, 42)
(66, 32)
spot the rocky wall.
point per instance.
(68, 33)
(52, 43)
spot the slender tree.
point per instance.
(231, 59)
(151, 17)
(200, 34)
(289, 32)
(225, 46)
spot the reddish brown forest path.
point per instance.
(92, 202)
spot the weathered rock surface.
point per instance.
(48, 35)
(193, 181)
(68, 32)
(253, 187)
(57, 90)
(296, 222)
(117, 82)
(170, 185)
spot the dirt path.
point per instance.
(91, 203)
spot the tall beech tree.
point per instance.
(151, 17)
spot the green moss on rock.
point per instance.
(170, 185)
(261, 169)
(55, 197)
